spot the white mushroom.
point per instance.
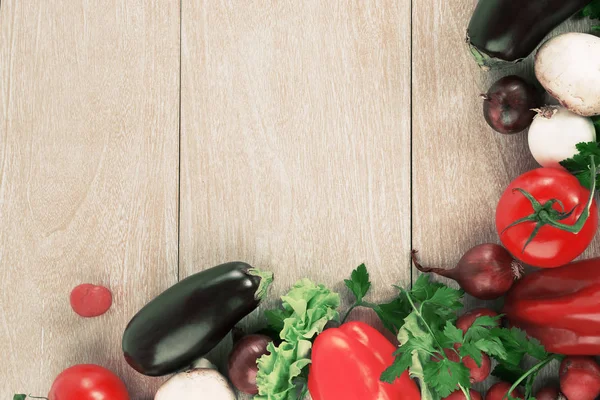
(568, 66)
(196, 384)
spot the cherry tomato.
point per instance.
(87, 382)
(550, 246)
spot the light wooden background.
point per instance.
(143, 141)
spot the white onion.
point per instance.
(553, 135)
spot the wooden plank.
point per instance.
(460, 165)
(88, 178)
(295, 140)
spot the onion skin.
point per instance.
(487, 271)
(508, 104)
(242, 366)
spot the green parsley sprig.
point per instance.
(429, 332)
(579, 165)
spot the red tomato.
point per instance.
(551, 247)
(87, 382)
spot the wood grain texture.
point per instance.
(295, 141)
(460, 165)
(88, 178)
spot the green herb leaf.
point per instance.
(444, 376)
(507, 372)
(453, 333)
(446, 297)
(359, 283)
(592, 10)
(423, 289)
(19, 397)
(579, 164)
(392, 314)
(401, 364)
(518, 344)
(275, 319)
(470, 350)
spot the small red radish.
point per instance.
(580, 378)
(549, 393)
(89, 300)
(466, 320)
(499, 391)
(476, 373)
(459, 395)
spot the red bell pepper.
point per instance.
(347, 363)
(560, 307)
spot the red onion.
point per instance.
(487, 271)
(242, 362)
(508, 104)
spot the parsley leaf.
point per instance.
(453, 333)
(508, 372)
(392, 314)
(275, 319)
(444, 376)
(579, 164)
(470, 350)
(423, 289)
(592, 10)
(359, 283)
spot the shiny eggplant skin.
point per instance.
(190, 318)
(507, 31)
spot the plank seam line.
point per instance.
(179, 150)
(411, 142)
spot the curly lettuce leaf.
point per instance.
(279, 370)
(306, 309)
(309, 307)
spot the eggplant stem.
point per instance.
(266, 278)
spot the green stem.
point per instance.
(350, 310)
(418, 312)
(533, 369)
(465, 392)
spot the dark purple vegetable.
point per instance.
(508, 105)
(187, 320)
(487, 271)
(504, 31)
(242, 365)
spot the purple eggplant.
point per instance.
(190, 318)
(507, 31)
